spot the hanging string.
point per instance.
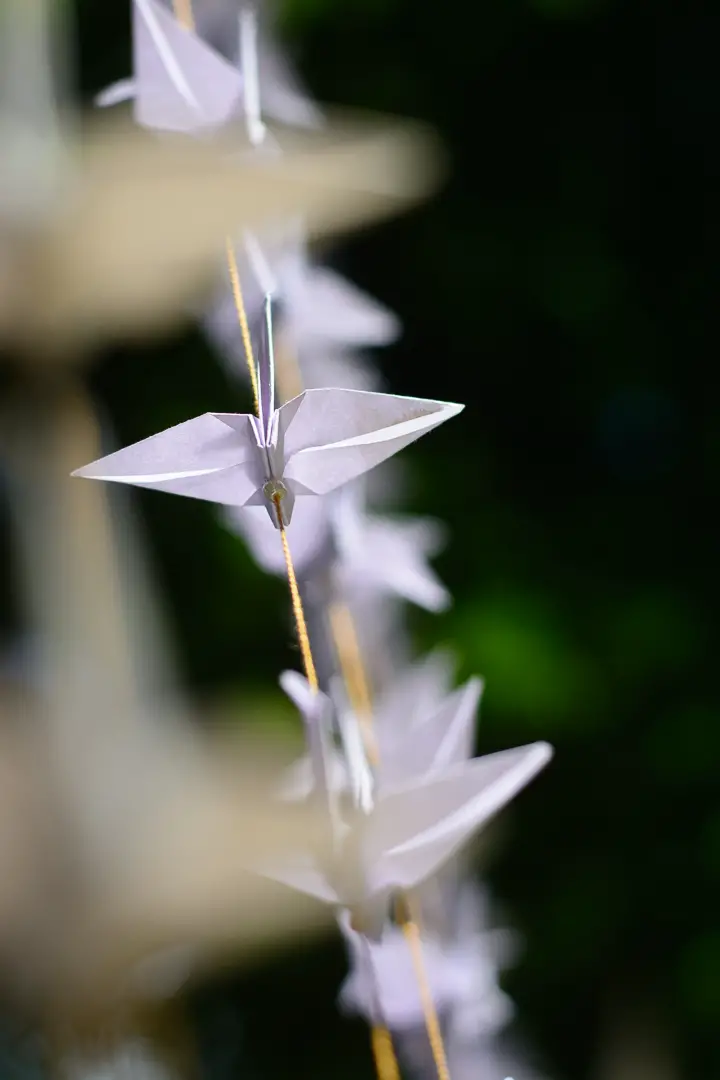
(183, 13)
(298, 610)
(409, 924)
(239, 300)
(347, 647)
(386, 1063)
(356, 681)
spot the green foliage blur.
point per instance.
(564, 285)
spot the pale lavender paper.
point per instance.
(318, 441)
(396, 979)
(442, 739)
(308, 534)
(386, 554)
(282, 95)
(321, 307)
(410, 746)
(412, 831)
(180, 83)
(321, 316)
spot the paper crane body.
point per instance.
(369, 553)
(309, 536)
(319, 307)
(409, 748)
(482, 1009)
(322, 315)
(442, 739)
(281, 93)
(410, 832)
(309, 446)
(182, 84)
(395, 980)
(386, 554)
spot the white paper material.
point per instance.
(181, 84)
(396, 982)
(386, 554)
(442, 739)
(321, 306)
(410, 748)
(281, 93)
(411, 833)
(317, 442)
(416, 830)
(322, 317)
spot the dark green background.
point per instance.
(563, 285)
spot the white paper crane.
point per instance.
(310, 446)
(399, 837)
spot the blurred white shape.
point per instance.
(131, 1059)
(281, 94)
(388, 554)
(395, 977)
(142, 229)
(180, 83)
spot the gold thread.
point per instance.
(411, 931)
(386, 1064)
(347, 647)
(356, 681)
(297, 605)
(234, 273)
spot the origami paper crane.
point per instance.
(309, 446)
(309, 535)
(326, 765)
(321, 306)
(442, 738)
(320, 314)
(321, 361)
(365, 552)
(388, 554)
(482, 1009)
(281, 93)
(416, 690)
(409, 749)
(410, 832)
(395, 979)
(318, 305)
(182, 84)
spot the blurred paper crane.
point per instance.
(143, 223)
(124, 834)
(182, 83)
(131, 227)
(282, 95)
